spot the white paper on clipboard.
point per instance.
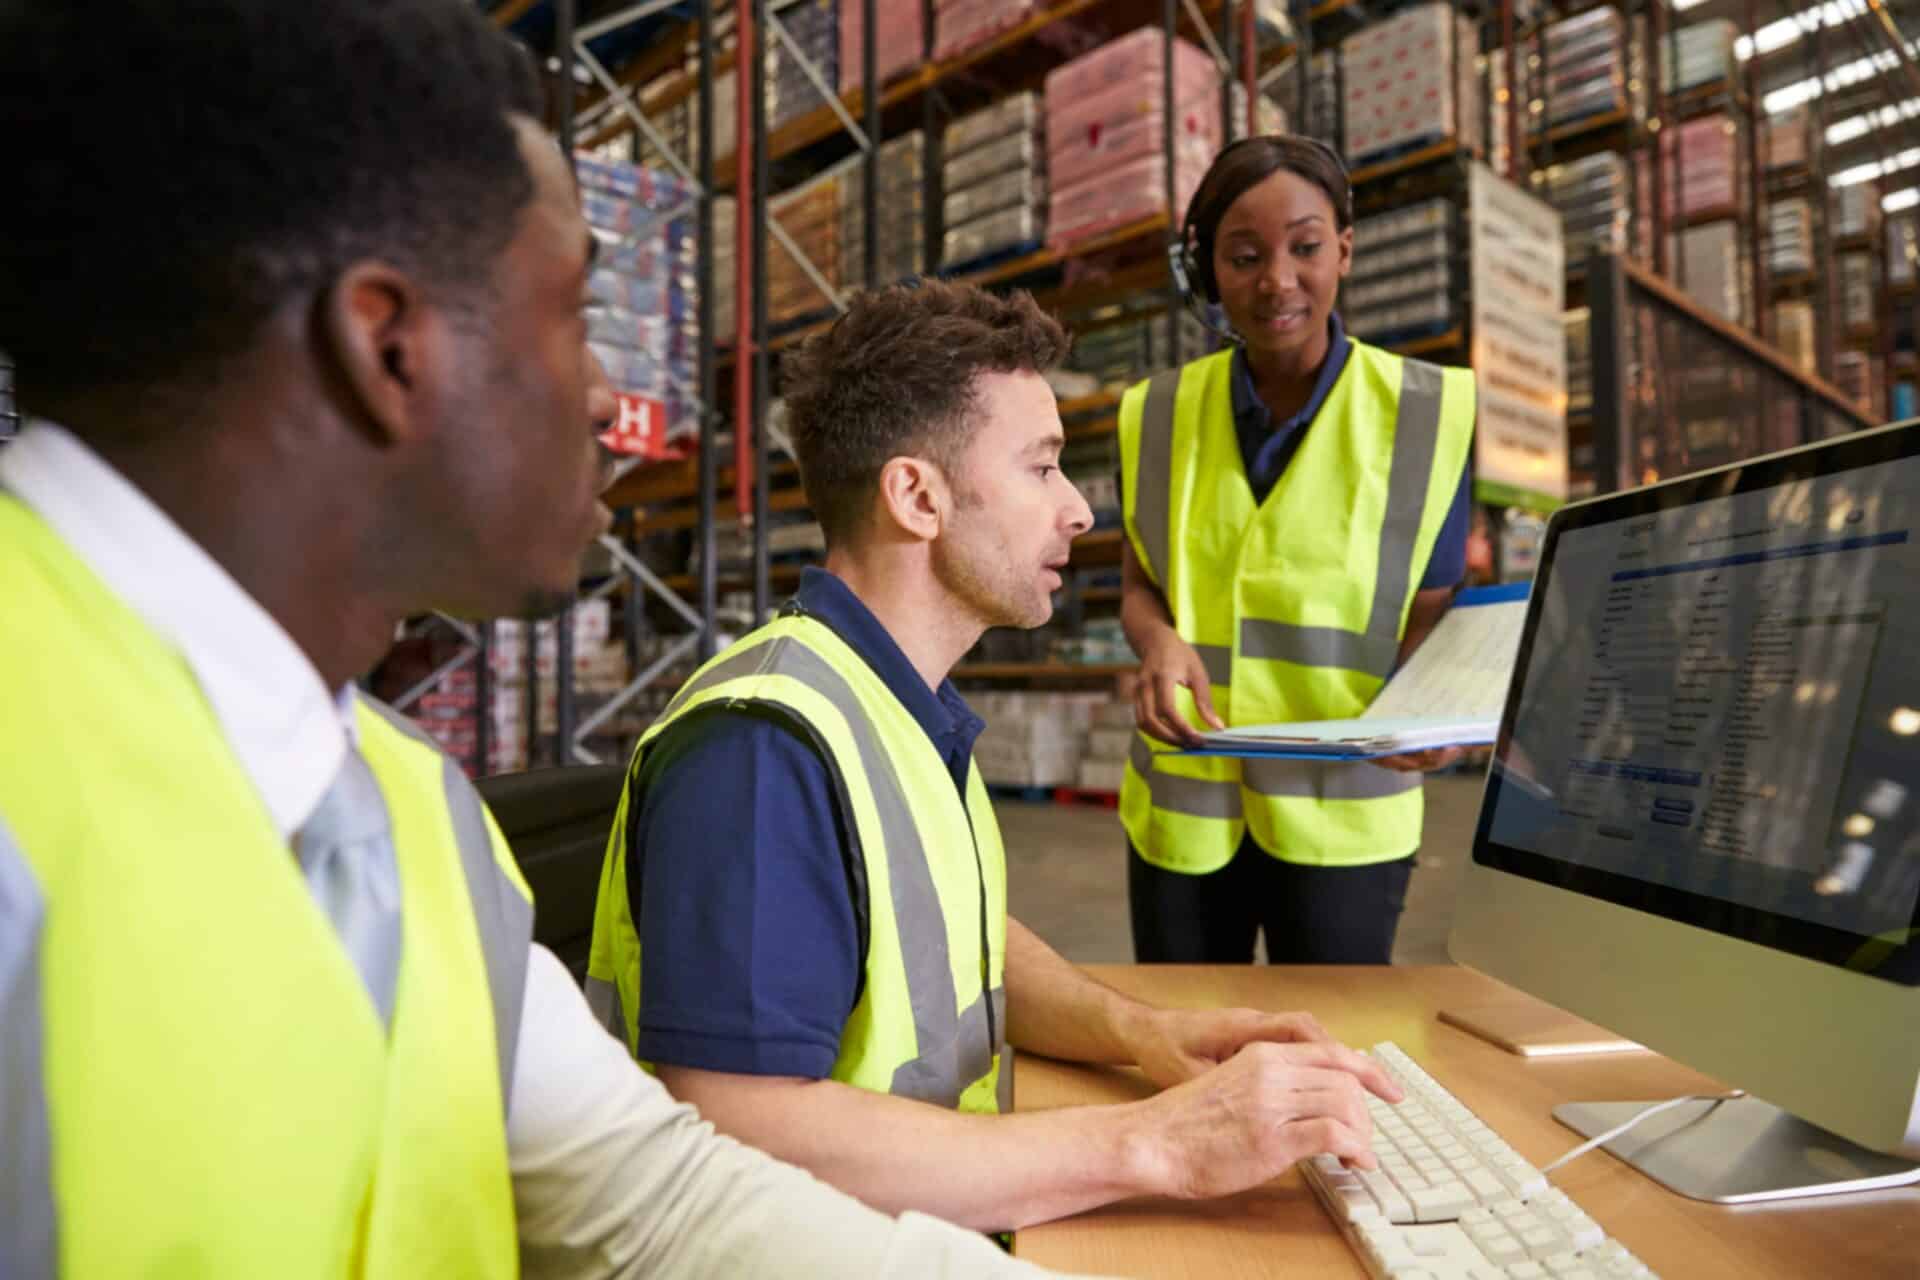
(1450, 693)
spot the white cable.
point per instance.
(1655, 1109)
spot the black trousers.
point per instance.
(1311, 915)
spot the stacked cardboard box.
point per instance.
(1710, 262)
(1119, 355)
(962, 25)
(1586, 69)
(1577, 324)
(600, 670)
(1697, 55)
(643, 330)
(1854, 290)
(1271, 116)
(1794, 335)
(449, 713)
(899, 39)
(1103, 763)
(1903, 247)
(815, 28)
(995, 180)
(900, 210)
(1860, 377)
(1856, 211)
(725, 260)
(1105, 118)
(1787, 140)
(1033, 739)
(1323, 99)
(1404, 266)
(1594, 200)
(1789, 237)
(810, 215)
(1409, 79)
(1012, 160)
(1704, 169)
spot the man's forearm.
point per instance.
(991, 1173)
(612, 1177)
(1056, 1010)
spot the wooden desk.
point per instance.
(1280, 1229)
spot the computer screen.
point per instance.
(1715, 715)
(1701, 828)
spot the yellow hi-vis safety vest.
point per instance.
(194, 1080)
(1295, 606)
(929, 873)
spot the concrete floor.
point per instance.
(1067, 875)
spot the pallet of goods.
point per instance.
(1409, 80)
(1105, 118)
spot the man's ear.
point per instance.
(385, 344)
(914, 497)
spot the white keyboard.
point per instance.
(1452, 1201)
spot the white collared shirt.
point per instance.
(611, 1176)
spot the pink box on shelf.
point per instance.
(1124, 194)
(967, 24)
(899, 37)
(1702, 170)
(1125, 124)
(1137, 60)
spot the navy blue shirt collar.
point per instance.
(1250, 410)
(943, 714)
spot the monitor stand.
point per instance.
(1737, 1151)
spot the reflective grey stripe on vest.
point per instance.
(1218, 660)
(28, 1229)
(1416, 435)
(1195, 797)
(1153, 477)
(603, 998)
(502, 914)
(954, 1049)
(1308, 779)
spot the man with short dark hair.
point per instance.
(302, 286)
(802, 921)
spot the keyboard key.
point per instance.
(1542, 1243)
(1506, 1250)
(1485, 1187)
(1586, 1234)
(1357, 1205)
(1526, 1271)
(1393, 1202)
(1441, 1203)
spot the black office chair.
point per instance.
(556, 822)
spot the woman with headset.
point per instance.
(1296, 514)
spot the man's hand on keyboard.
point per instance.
(1251, 1118)
(1172, 1046)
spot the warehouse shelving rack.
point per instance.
(929, 94)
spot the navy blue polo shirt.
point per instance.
(1266, 447)
(750, 954)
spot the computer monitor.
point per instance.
(1701, 828)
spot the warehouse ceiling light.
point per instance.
(1876, 168)
(1861, 125)
(1782, 32)
(1804, 91)
(1901, 200)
